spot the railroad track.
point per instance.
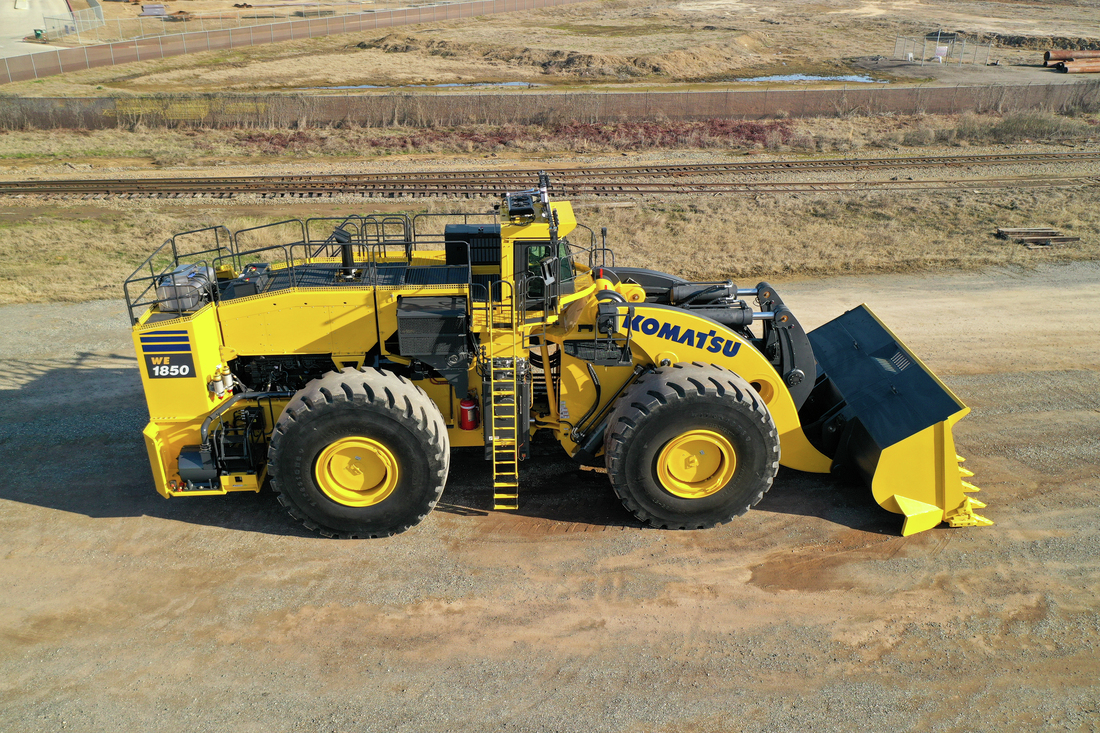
(603, 181)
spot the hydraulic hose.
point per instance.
(205, 431)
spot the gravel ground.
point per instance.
(120, 610)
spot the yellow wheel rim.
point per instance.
(696, 464)
(356, 471)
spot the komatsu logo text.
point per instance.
(709, 340)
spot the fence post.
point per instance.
(34, 66)
(137, 50)
(160, 41)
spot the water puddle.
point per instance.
(452, 85)
(854, 78)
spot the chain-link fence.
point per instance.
(38, 65)
(55, 27)
(281, 111)
(943, 48)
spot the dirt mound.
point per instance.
(702, 60)
(1036, 43)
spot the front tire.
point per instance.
(359, 454)
(691, 446)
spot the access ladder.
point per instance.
(505, 422)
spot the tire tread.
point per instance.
(336, 387)
(666, 387)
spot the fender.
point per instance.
(660, 333)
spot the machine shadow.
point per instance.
(554, 489)
(70, 440)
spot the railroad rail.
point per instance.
(601, 181)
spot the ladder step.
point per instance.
(505, 362)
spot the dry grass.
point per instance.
(798, 236)
(53, 255)
(203, 147)
(625, 42)
(61, 254)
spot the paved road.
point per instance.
(123, 611)
(16, 24)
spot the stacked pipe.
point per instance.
(1073, 62)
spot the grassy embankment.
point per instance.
(171, 147)
(73, 251)
(83, 252)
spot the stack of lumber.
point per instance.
(1035, 237)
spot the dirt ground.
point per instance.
(123, 611)
(621, 44)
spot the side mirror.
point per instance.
(546, 267)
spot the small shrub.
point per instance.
(1036, 125)
(919, 137)
(971, 127)
(802, 141)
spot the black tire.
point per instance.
(395, 416)
(669, 404)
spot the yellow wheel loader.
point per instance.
(342, 358)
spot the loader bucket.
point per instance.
(894, 419)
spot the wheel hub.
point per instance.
(696, 464)
(356, 471)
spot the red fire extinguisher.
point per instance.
(468, 418)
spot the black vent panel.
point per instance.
(431, 325)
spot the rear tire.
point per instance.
(691, 446)
(359, 454)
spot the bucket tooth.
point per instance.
(965, 473)
(967, 486)
(964, 516)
